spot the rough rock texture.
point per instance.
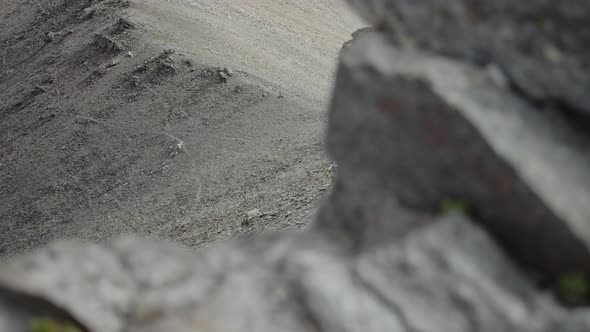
(408, 130)
(542, 45)
(448, 277)
(430, 129)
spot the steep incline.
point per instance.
(118, 116)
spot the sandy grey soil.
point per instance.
(118, 116)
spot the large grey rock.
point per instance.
(446, 277)
(542, 45)
(425, 129)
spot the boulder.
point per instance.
(542, 45)
(449, 276)
(428, 129)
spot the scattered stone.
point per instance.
(223, 77)
(169, 64)
(228, 71)
(88, 13)
(252, 214)
(113, 63)
(176, 149)
(50, 36)
(124, 23)
(46, 117)
(37, 90)
(167, 53)
(107, 44)
(238, 88)
(50, 79)
(130, 54)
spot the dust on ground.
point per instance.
(191, 120)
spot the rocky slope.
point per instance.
(110, 125)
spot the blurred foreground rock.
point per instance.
(447, 277)
(426, 129)
(542, 45)
(475, 123)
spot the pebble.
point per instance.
(113, 63)
(253, 214)
(223, 76)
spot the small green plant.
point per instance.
(46, 324)
(449, 206)
(574, 287)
